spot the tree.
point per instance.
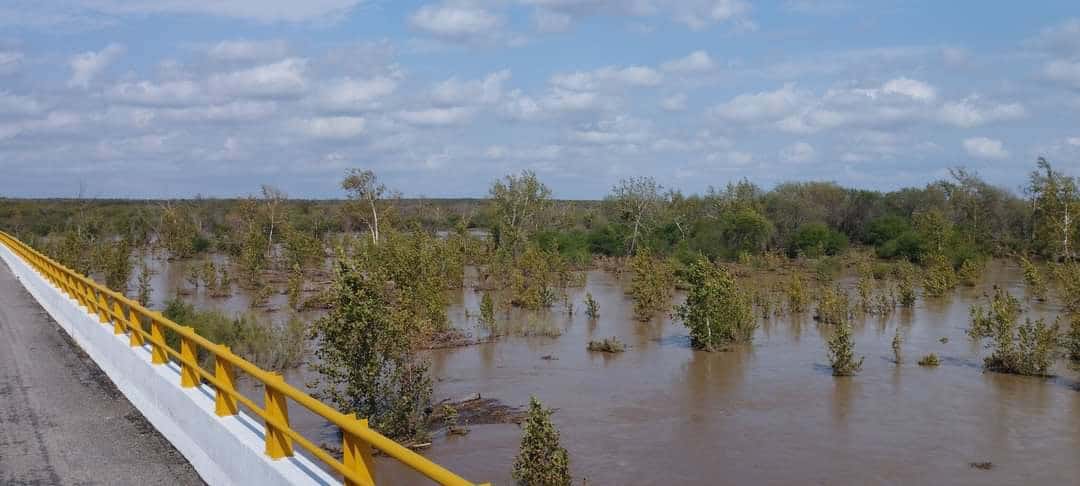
(272, 199)
(635, 202)
(541, 460)
(364, 189)
(1054, 199)
(716, 310)
(365, 360)
(517, 202)
(651, 284)
(1023, 349)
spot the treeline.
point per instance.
(962, 217)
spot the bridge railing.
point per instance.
(145, 326)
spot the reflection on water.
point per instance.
(770, 413)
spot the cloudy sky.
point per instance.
(173, 98)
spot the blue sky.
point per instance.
(174, 98)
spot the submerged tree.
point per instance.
(1023, 349)
(541, 460)
(651, 284)
(365, 360)
(1054, 201)
(841, 350)
(364, 190)
(717, 312)
(517, 203)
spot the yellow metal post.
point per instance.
(224, 402)
(118, 318)
(278, 444)
(189, 376)
(157, 343)
(102, 308)
(357, 455)
(135, 339)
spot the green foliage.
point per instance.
(970, 272)
(817, 239)
(939, 278)
(177, 231)
(907, 245)
(517, 203)
(262, 343)
(841, 351)
(745, 231)
(905, 285)
(533, 277)
(1072, 339)
(1023, 349)
(717, 312)
(487, 311)
(144, 285)
(113, 259)
(364, 360)
(541, 460)
(607, 345)
(833, 306)
(1068, 276)
(797, 295)
(592, 307)
(930, 360)
(1033, 278)
(651, 285)
(886, 228)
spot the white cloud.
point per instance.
(487, 90)
(766, 105)
(1063, 39)
(346, 95)
(10, 62)
(258, 10)
(911, 88)
(607, 77)
(455, 22)
(617, 130)
(701, 14)
(973, 112)
(282, 78)
(551, 21)
(231, 112)
(1067, 72)
(675, 102)
(985, 148)
(334, 127)
(245, 50)
(436, 116)
(12, 104)
(695, 62)
(798, 153)
(149, 93)
(88, 65)
(1074, 141)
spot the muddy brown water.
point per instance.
(768, 413)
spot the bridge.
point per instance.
(203, 426)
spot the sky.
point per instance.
(178, 98)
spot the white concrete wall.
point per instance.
(224, 450)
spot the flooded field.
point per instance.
(770, 413)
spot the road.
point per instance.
(62, 421)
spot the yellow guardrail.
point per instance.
(129, 317)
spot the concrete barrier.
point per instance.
(224, 450)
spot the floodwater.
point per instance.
(766, 413)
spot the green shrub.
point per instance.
(841, 351)
(1033, 278)
(940, 278)
(1024, 349)
(262, 343)
(607, 345)
(651, 285)
(717, 312)
(592, 308)
(541, 460)
(833, 306)
(817, 239)
(930, 360)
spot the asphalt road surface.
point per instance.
(62, 421)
